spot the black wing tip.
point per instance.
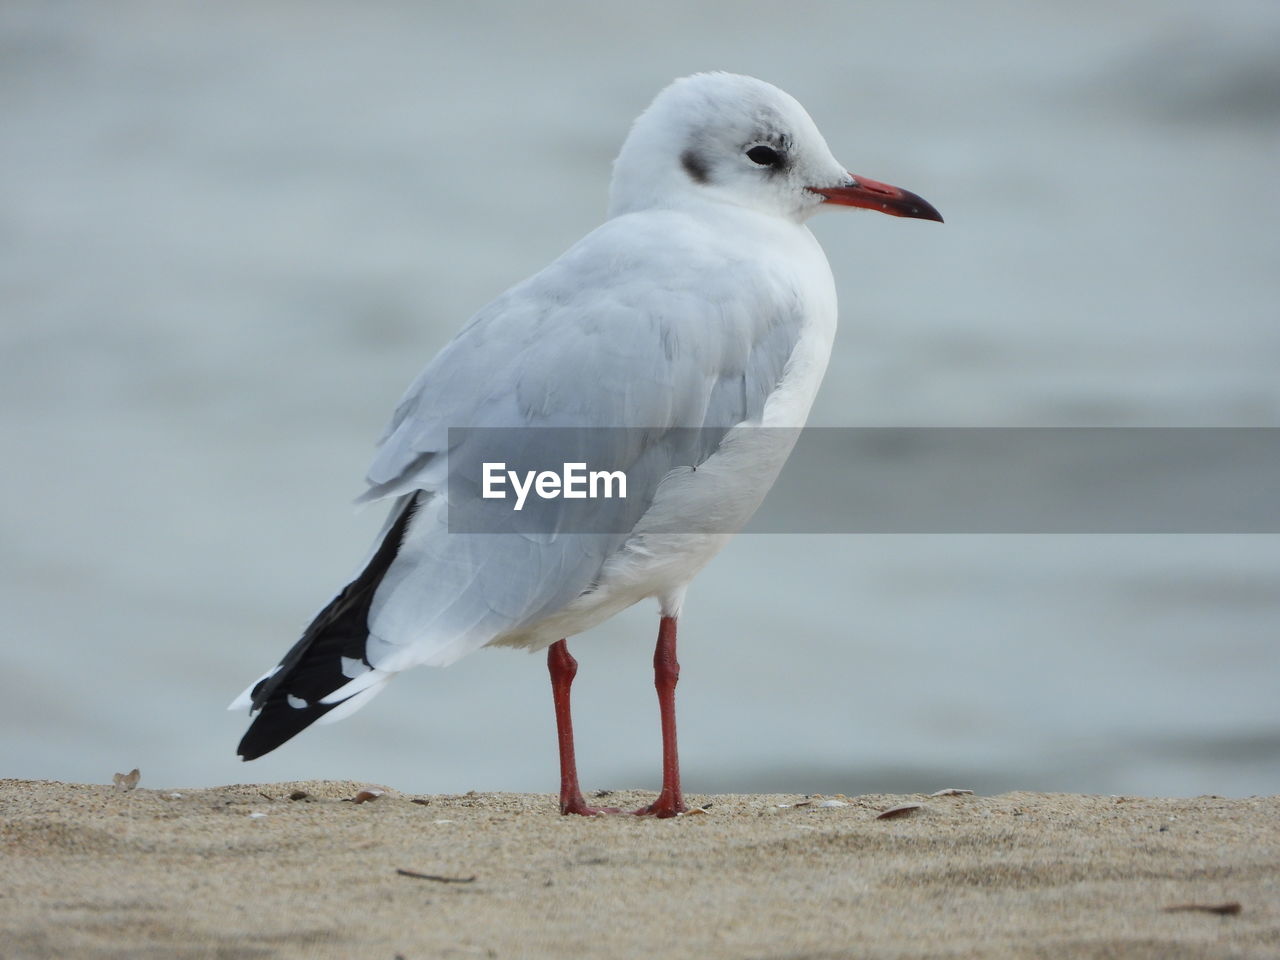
(251, 748)
(276, 724)
(251, 744)
(311, 670)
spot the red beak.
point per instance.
(861, 192)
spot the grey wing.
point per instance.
(584, 344)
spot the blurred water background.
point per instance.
(233, 232)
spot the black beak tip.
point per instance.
(918, 208)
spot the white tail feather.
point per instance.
(358, 685)
(245, 700)
(348, 707)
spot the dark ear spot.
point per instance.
(695, 167)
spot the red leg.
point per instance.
(563, 669)
(666, 671)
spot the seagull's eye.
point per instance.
(765, 156)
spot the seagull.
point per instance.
(703, 301)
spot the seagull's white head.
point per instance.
(727, 138)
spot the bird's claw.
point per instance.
(579, 807)
(667, 805)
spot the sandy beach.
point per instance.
(245, 872)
